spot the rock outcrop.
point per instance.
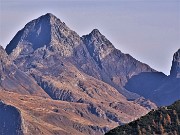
(175, 69)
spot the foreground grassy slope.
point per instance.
(164, 121)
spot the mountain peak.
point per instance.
(51, 18)
(175, 69)
(50, 15)
(96, 34)
(178, 52)
(95, 31)
(99, 41)
(44, 31)
(47, 15)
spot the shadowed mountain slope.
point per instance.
(10, 120)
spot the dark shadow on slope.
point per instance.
(37, 37)
(10, 120)
(13, 43)
(168, 92)
(145, 83)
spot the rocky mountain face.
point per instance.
(118, 67)
(98, 108)
(62, 65)
(161, 89)
(78, 83)
(14, 80)
(164, 121)
(93, 54)
(60, 83)
(47, 31)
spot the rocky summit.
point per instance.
(47, 31)
(116, 68)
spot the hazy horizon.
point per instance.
(146, 29)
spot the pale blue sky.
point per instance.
(149, 30)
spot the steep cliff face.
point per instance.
(10, 120)
(175, 69)
(56, 40)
